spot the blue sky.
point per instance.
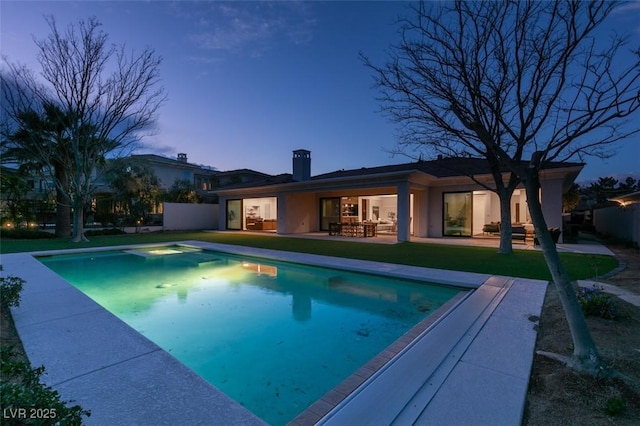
(248, 82)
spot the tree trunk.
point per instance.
(506, 242)
(63, 215)
(585, 353)
(63, 205)
(78, 223)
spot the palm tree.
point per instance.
(39, 137)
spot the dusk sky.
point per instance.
(248, 82)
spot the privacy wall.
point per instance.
(620, 222)
(190, 217)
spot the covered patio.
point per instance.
(447, 197)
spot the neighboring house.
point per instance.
(25, 200)
(203, 178)
(233, 177)
(425, 198)
(170, 170)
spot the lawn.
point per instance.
(522, 263)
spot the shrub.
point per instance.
(595, 303)
(24, 400)
(21, 389)
(615, 405)
(25, 234)
(10, 288)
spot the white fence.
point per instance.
(620, 222)
(190, 217)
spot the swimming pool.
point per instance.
(274, 336)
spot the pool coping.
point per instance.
(89, 353)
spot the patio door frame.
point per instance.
(337, 200)
(233, 208)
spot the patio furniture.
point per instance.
(491, 228)
(353, 229)
(386, 226)
(555, 235)
(370, 229)
(349, 229)
(260, 224)
(518, 233)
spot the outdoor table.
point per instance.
(353, 229)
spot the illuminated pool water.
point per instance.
(273, 336)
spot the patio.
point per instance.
(583, 246)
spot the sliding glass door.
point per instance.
(234, 214)
(457, 214)
(329, 212)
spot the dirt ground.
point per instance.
(557, 395)
(9, 336)
(560, 396)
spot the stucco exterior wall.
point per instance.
(551, 201)
(420, 204)
(297, 213)
(190, 217)
(620, 222)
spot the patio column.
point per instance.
(420, 213)
(404, 213)
(222, 214)
(281, 222)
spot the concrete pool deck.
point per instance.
(470, 365)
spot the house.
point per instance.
(25, 199)
(202, 178)
(425, 198)
(170, 170)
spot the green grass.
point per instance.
(522, 263)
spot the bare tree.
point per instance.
(107, 100)
(520, 83)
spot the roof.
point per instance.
(440, 168)
(265, 181)
(172, 162)
(242, 171)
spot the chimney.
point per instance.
(301, 165)
(182, 157)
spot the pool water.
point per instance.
(273, 336)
